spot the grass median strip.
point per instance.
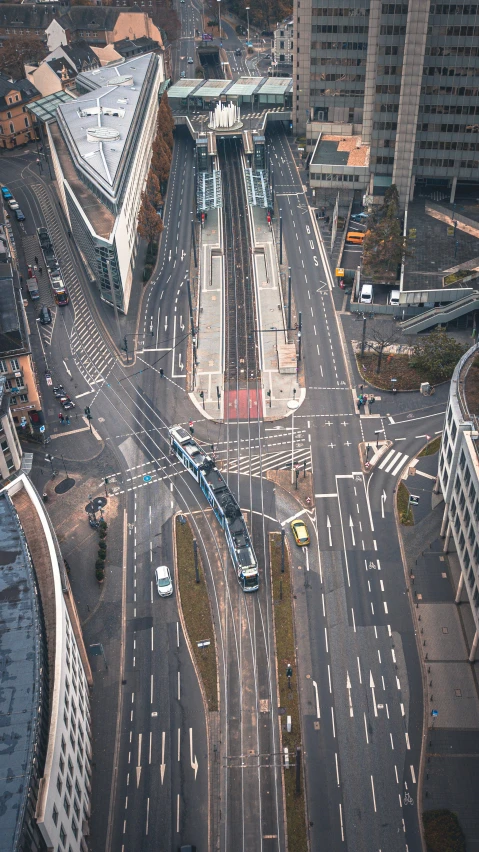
(431, 448)
(289, 698)
(406, 515)
(195, 605)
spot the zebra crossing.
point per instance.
(258, 465)
(393, 462)
(89, 351)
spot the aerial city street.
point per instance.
(239, 402)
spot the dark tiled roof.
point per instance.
(93, 17)
(59, 66)
(134, 47)
(81, 54)
(24, 87)
(26, 16)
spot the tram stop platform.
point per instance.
(280, 392)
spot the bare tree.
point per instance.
(381, 335)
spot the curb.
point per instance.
(422, 757)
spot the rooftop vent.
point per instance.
(102, 134)
(125, 80)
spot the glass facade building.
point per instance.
(405, 76)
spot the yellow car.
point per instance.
(300, 532)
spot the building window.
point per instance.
(70, 766)
(76, 808)
(462, 541)
(462, 460)
(472, 493)
(453, 432)
(66, 805)
(453, 508)
(449, 456)
(449, 416)
(457, 484)
(9, 114)
(457, 523)
(55, 815)
(62, 765)
(64, 746)
(470, 578)
(63, 835)
(3, 364)
(467, 518)
(74, 828)
(462, 501)
(69, 785)
(472, 535)
(14, 365)
(59, 784)
(78, 790)
(467, 477)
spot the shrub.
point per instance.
(442, 831)
(102, 555)
(100, 565)
(147, 272)
(102, 535)
(100, 574)
(103, 525)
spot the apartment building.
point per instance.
(101, 25)
(16, 123)
(403, 77)
(45, 761)
(16, 362)
(10, 449)
(101, 146)
(458, 480)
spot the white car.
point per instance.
(190, 60)
(163, 581)
(14, 205)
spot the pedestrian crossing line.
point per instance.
(393, 462)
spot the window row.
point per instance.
(453, 31)
(339, 45)
(448, 128)
(394, 8)
(448, 71)
(458, 91)
(459, 50)
(452, 9)
(338, 12)
(336, 93)
(453, 109)
(335, 28)
(448, 146)
(335, 60)
(449, 164)
(340, 178)
(14, 365)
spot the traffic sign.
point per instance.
(42, 429)
(414, 499)
(339, 272)
(434, 713)
(147, 478)
(49, 380)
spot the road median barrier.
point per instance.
(371, 453)
(194, 604)
(290, 715)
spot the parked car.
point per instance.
(190, 60)
(45, 315)
(300, 532)
(14, 205)
(6, 192)
(163, 581)
(183, 75)
(359, 217)
(67, 403)
(366, 294)
(394, 297)
(238, 51)
(355, 237)
(20, 215)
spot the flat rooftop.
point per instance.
(100, 217)
(20, 639)
(340, 151)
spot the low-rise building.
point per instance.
(101, 146)
(10, 449)
(16, 362)
(59, 69)
(45, 760)
(16, 123)
(458, 479)
(26, 18)
(101, 25)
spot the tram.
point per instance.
(203, 469)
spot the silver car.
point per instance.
(163, 581)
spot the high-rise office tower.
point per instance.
(402, 76)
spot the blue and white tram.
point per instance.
(203, 468)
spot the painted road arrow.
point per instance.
(328, 524)
(348, 687)
(371, 684)
(162, 764)
(383, 500)
(138, 768)
(352, 529)
(194, 763)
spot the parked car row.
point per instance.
(60, 393)
(13, 204)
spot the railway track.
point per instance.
(242, 362)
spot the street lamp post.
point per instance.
(219, 18)
(293, 404)
(378, 432)
(247, 19)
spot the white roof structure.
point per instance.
(99, 125)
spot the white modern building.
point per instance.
(458, 479)
(44, 701)
(101, 147)
(10, 449)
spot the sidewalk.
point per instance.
(446, 633)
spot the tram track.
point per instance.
(252, 769)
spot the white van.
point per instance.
(366, 294)
(394, 297)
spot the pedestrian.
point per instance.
(322, 211)
(361, 387)
(371, 400)
(69, 233)
(162, 372)
(365, 398)
(361, 397)
(67, 419)
(40, 270)
(36, 259)
(360, 402)
(327, 220)
(61, 417)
